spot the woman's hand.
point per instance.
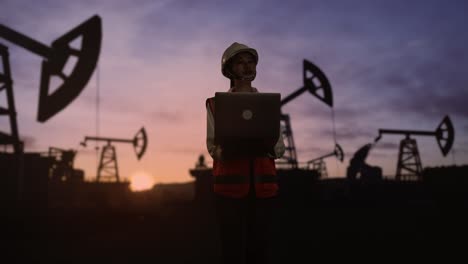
(218, 152)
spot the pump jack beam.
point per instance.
(445, 134)
(55, 58)
(338, 152)
(139, 142)
(310, 84)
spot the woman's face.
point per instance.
(244, 66)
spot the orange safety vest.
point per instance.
(232, 177)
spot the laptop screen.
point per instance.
(249, 121)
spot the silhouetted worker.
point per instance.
(357, 165)
(245, 188)
(201, 162)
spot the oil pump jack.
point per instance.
(409, 165)
(319, 165)
(108, 168)
(317, 84)
(55, 59)
(51, 101)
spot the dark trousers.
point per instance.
(246, 228)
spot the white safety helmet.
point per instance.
(232, 51)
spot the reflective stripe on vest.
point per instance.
(240, 179)
(231, 177)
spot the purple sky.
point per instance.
(392, 64)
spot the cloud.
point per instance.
(315, 150)
(182, 150)
(387, 146)
(171, 117)
(348, 133)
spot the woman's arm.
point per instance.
(214, 150)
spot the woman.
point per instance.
(245, 187)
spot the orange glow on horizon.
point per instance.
(141, 181)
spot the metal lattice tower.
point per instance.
(289, 156)
(108, 168)
(409, 167)
(6, 84)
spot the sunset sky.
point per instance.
(392, 64)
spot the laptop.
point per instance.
(247, 124)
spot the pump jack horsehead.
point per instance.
(55, 58)
(317, 84)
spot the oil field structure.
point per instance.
(108, 189)
(56, 167)
(49, 178)
(358, 211)
(40, 179)
(28, 174)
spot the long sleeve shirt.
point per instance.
(215, 151)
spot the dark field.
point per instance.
(329, 218)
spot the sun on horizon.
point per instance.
(141, 181)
